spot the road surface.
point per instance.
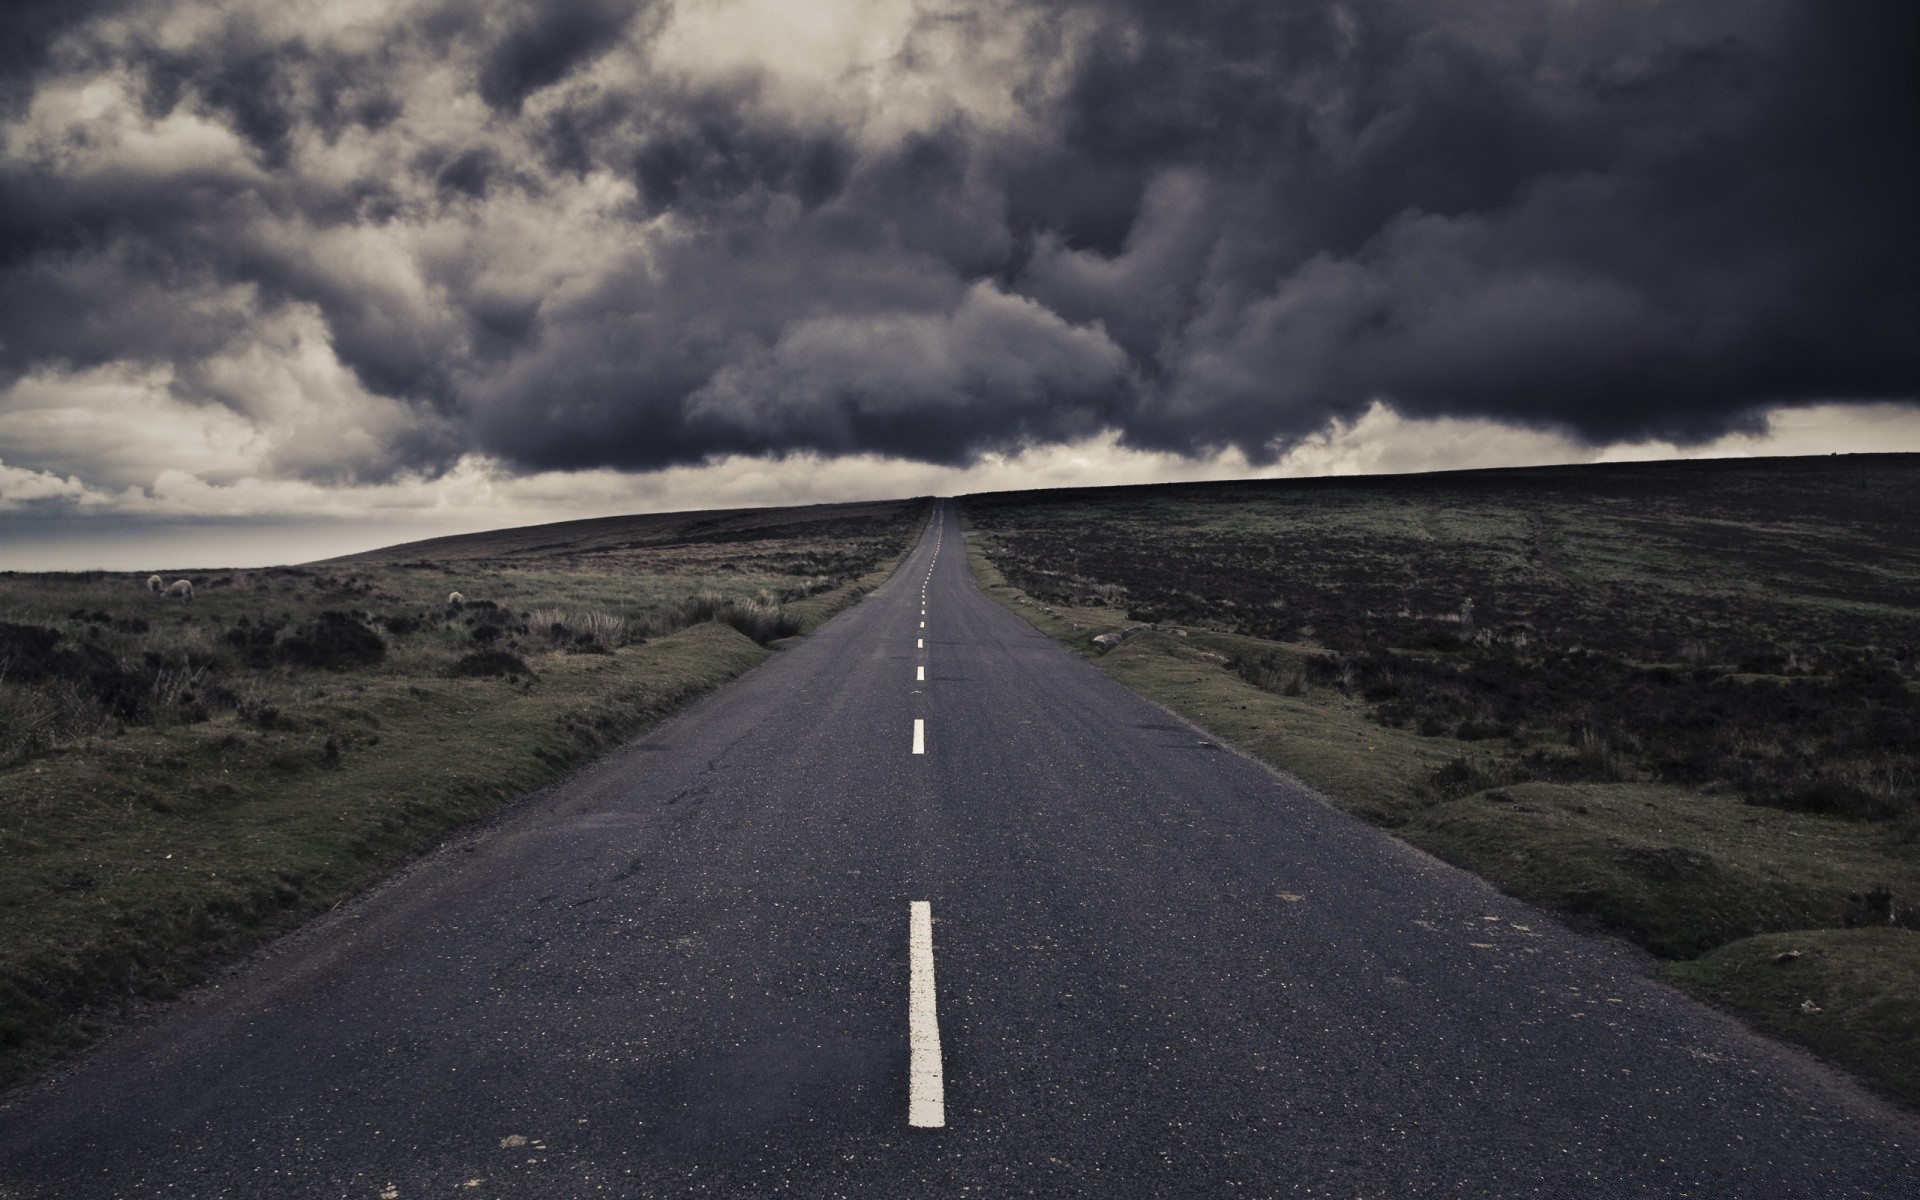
(927, 906)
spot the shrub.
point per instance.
(1272, 674)
(599, 628)
(1459, 778)
(33, 654)
(28, 652)
(400, 624)
(762, 622)
(1324, 669)
(581, 631)
(489, 621)
(27, 719)
(334, 641)
(35, 719)
(1598, 756)
(255, 642)
(482, 663)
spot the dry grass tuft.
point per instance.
(560, 628)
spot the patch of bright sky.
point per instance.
(54, 522)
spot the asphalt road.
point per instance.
(1154, 969)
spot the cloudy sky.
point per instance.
(281, 278)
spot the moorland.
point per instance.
(1675, 701)
(182, 780)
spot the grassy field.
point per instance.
(1674, 701)
(180, 781)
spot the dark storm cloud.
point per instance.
(1203, 224)
(27, 31)
(470, 173)
(705, 154)
(1620, 218)
(546, 41)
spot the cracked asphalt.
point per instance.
(1162, 971)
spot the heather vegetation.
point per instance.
(180, 779)
(1719, 626)
(90, 655)
(1680, 701)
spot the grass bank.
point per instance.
(215, 772)
(1706, 850)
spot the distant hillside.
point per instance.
(599, 536)
(1869, 486)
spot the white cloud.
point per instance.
(120, 426)
(94, 125)
(278, 403)
(883, 69)
(21, 486)
(1382, 441)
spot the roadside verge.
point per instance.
(1750, 907)
(139, 865)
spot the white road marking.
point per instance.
(919, 643)
(926, 1084)
(920, 675)
(919, 736)
(923, 624)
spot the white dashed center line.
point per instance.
(926, 1085)
(919, 643)
(919, 736)
(919, 674)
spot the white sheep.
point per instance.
(181, 590)
(154, 585)
(454, 598)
